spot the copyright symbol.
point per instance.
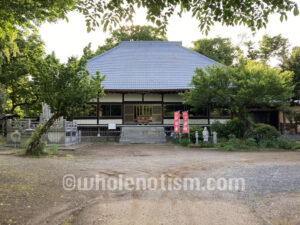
(69, 182)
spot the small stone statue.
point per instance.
(215, 137)
(205, 135)
(197, 136)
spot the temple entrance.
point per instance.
(142, 114)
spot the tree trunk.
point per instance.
(247, 126)
(284, 123)
(244, 118)
(35, 140)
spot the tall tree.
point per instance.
(127, 33)
(63, 87)
(252, 53)
(269, 48)
(275, 46)
(136, 33)
(219, 49)
(292, 63)
(249, 84)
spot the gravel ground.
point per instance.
(31, 189)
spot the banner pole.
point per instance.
(179, 127)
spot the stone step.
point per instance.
(142, 134)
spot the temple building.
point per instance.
(142, 85)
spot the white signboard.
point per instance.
(112, 126)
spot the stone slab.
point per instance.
(142, 134)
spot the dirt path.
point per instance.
(31, 190)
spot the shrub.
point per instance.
(53, 150)
(296, 146)
(220, 128)
(193, 129)
(184, 142)
(285, 144)
(175, 141)
(208, 145)
(233, 126)
(251, 142)
(268, 143)
(229, 147)
(40, 150)
(232, 140)
(265, 131)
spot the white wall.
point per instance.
(112, 98)
(86, 121)
(101, 121)
(172, 98)
(133, 97)
(153, 97)
(108, 121)
(220, 120)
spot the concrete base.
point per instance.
(142, 134)
(92, 139)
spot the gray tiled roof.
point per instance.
(148, 65)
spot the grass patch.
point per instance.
(182, 142)
(15, 188)
(69, 221)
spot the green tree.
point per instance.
(3, 98)
(17, 71)
(127, 33)
(136, 33)
(219, 49)
(239, 88)
(292, 63)
(275, 46)
(63, 87)
(252, 53)
(253, 14)
(17, 15)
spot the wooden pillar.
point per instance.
(123, 107)
(162, 109)
(98, 108)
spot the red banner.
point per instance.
(185, 116)
(176, 122)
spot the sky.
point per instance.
(69, 38)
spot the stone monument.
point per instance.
(205, 135)
(215, 139)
